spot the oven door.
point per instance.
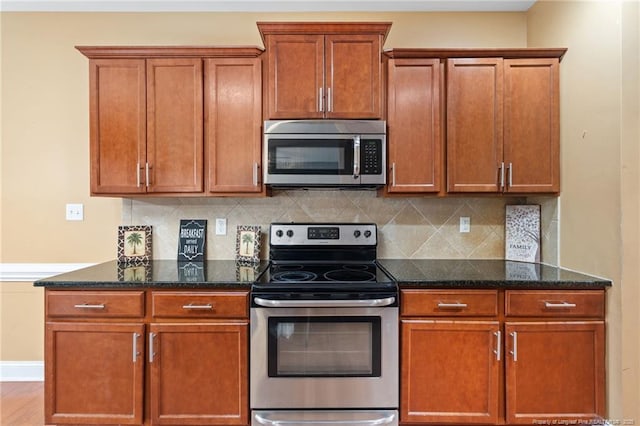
(324, 357)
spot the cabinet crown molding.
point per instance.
(507, 53)
(269, 28)
(112, 52)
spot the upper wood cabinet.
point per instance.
(323, 70)
(146, 125)
(147, 120)
(415, 137)
(502, 125)
(233, 118)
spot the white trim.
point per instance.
(21, 371)
(36, 271)
(265, 6)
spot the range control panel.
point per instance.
(338, 234)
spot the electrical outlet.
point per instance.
(221, 226)
(75, 212)
(465, 224)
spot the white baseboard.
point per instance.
(21, 371)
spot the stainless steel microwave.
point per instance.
(325, 153)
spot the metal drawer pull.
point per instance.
(561, 305)
(498, 350)
(192, 306)
(510, 180)
(514, 352)
(320, 105)
(89, 306)
(502, 175)
(455, 305)
(135, 347)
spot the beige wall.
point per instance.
(599, 213)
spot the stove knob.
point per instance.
(279, 233)
(356, 233)
(289, 233)
(367, 234)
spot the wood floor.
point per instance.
(21, 403)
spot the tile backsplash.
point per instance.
(416, 227)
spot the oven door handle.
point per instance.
(358, 303)
(364, 422)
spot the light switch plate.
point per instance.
(221, 226)
(75, 212)
(465, 224)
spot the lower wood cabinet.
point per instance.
(146, 357)
(539, 358)
(199, 374)
(94, 373)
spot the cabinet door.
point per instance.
(175, 125)
(474, 125)
(94, 373)
(450, 371)
(353, 76)
(531, 129)
(414, 121)
(233, 108)
(295, 84)
(555, 370)
(117, 125)
(199, 374)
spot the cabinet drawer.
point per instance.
(200, 304)
(554, 303)
(449, 302)
(95, 304)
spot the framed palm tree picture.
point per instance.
(248, 243)
(134, 244)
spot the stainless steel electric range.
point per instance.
(324, 329)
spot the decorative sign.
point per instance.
(134, 244)
(248, 243)
(191, 272)
(192, 240)
(522, 233)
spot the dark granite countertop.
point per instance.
(159, 274)
(424, 273)
(427, 273)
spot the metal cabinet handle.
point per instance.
(192, 306)
(146, 174)
(138, 175)
(256, 168)
(356, 157)
(151, 350)
(561, 305)
(454, 305)
(393, 174)
(135, 347)
(510, 180)
(498, 349)
(90, 306)
(502, 175)
(329, 99)
(320, 101)
(514, 352)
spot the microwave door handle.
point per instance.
(356, 157)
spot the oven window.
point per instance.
(324, 347)
(311, 156)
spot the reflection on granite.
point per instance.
(160, 273)
(426, 273)
(486, 274)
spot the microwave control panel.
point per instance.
(371, 156)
